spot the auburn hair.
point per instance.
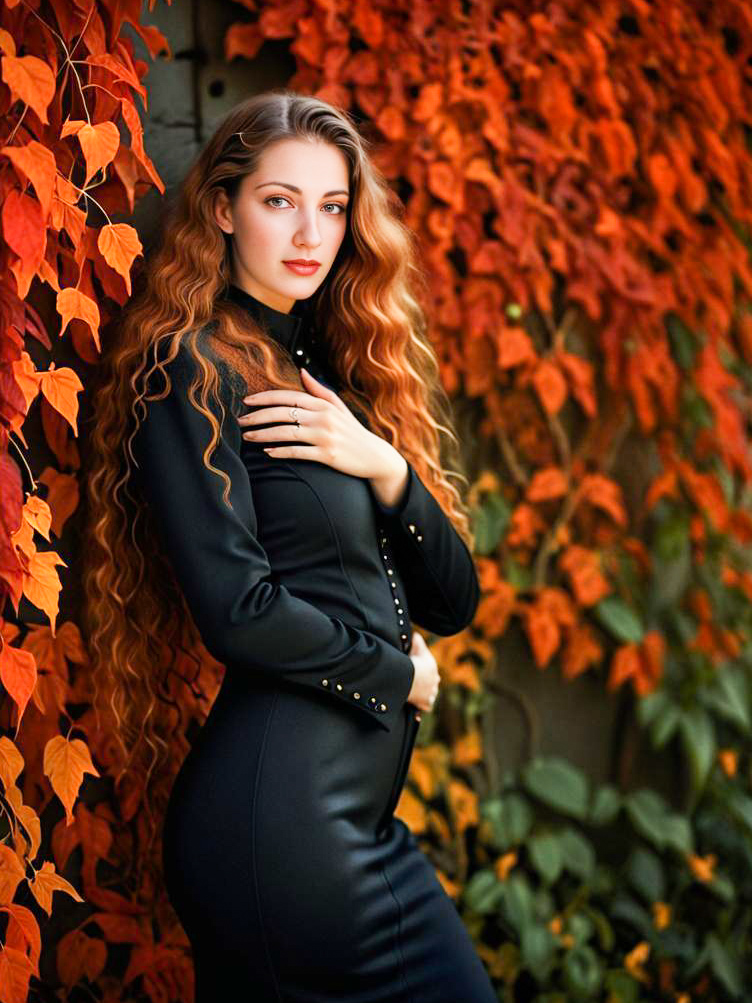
(151, 674)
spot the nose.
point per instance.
(308, 235)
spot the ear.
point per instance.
(223, 212)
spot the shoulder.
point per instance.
(185, 369)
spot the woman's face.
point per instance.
(294, 207)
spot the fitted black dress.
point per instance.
(292, 877)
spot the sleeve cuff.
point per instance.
(404, 501)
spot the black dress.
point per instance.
(292, 877)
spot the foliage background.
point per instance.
(579, 176)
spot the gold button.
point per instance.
(356, 696)
(411, 528)
(419, 538)
(339, 686)
(383, 706)
(324, 682)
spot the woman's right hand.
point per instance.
(426, 681)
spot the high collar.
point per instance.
(289, 329)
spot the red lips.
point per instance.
(301, 261)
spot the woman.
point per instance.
(283, 447)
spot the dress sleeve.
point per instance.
(246, 619)
(436, 567)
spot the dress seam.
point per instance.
(410, 998)
(256, 785)
(335, 538)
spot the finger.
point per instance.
(320, 390)
(279, 413)
(292, 398)
(283, 432)
(294, 452)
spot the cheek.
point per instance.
(258, 227)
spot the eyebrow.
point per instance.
(338, 191)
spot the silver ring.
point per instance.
(293, 415)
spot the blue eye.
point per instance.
(284, 198)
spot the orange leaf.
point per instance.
(99, 144)
(515, 348)
(79, 956)
(468, 748)
(24, 229)
(65, 763)
(580, 651)
(625, 664)
(547, 483)
(12, 873)
(15, 974)
(579, 373)
(606, 494)
(72, 303)
(412, 811)
(119, 245)
(36, 163)
(41, 584)
(30, 80)
(584, 572)
(543, 633)
(47, 880)
(23, 926)
(60, 387)
(18, 672)
(524, 525)
(62, 496)
(550, 386)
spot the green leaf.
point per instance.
(664, 726)
(648, 812)
(729, 696)
(517, 901)
(578, 853)
(725, 965)
(490, 522)
(581, 927)
(741, 806)
(650, 705)
(518, 575)
(645, 871)
(545, 854)
(671, 534)
(605, 806)
(538, 946)
(669, 578)
(626, 908)
(557, 783)
(622, 986)
(511, 819)
(698, 740)
(683, 341)
(583, 974)
(483, 891)
(678, 833)
(723, 887)
(620, 619)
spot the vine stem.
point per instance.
(23, 460)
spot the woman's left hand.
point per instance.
(327, 432)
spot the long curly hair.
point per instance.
(151, 674)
